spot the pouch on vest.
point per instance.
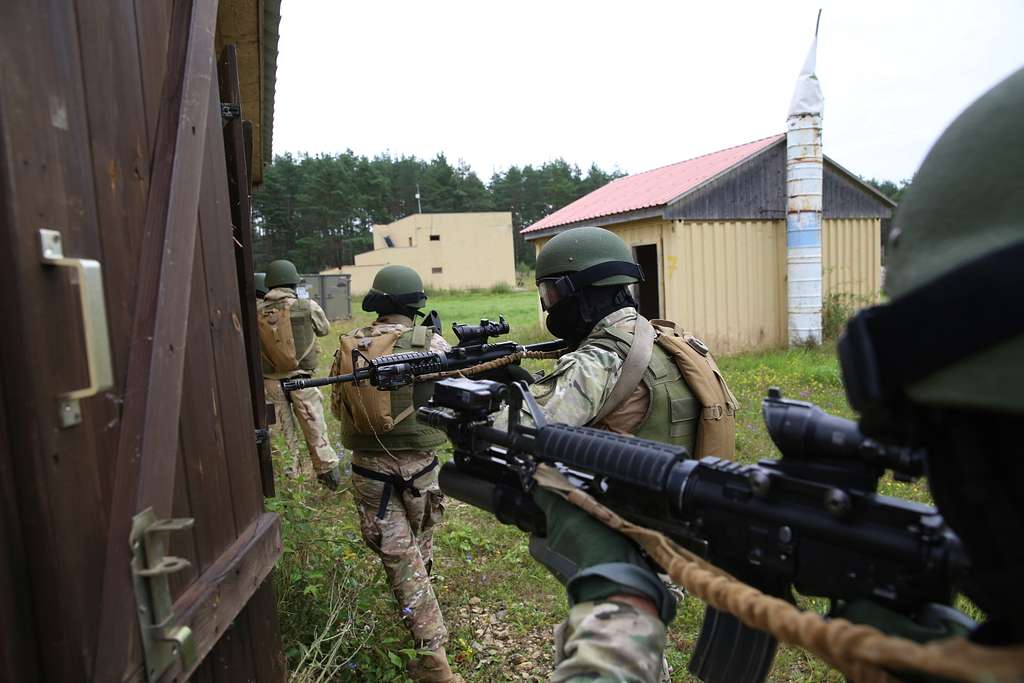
(277, 339)
(369, 408)
(716, 430)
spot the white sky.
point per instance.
(631, 84)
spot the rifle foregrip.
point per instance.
(642, 463)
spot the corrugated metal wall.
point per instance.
(725, 281)
(851, 250)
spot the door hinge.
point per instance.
(162, 643)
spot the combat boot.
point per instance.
(432, 667)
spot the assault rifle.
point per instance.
(390, 372)
(810, 521)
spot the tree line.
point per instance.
(317, 211)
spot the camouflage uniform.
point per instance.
(603, 641)
(306, 405)
(404, 537)
(607, 642)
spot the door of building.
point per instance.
(134, 545)
(648, 293)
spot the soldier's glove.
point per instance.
(593, 561)
(330, 479)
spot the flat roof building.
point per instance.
(448, 250)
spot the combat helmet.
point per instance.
(282, 273)
(260, 284)
(583, 257)
(395, 289)
(953, 332)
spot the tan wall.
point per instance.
(725, 281)
(473, 250)
(851, 255)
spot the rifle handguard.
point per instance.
(642, 463)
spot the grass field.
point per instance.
(338, 617)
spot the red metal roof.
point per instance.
(651, 188)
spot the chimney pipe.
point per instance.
(804, 174)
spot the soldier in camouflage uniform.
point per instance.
(582, 276)
(304, 406)
(394, 472)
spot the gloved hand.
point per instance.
(331, 479)
(593, 561)
(513, 372)
(938, 622)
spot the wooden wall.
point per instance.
(110, 133)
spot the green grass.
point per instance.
(500, 605)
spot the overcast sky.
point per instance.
(630, 84)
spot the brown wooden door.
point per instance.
(112, 139)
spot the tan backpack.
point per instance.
(716, 432)
(369, 408)
(277, 340)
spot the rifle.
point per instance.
(390, 372)
(810, 521)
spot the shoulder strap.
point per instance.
(633, 368)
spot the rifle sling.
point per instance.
(633, 368)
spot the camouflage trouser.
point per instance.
(609, 641)
(404, 537)
(307, 409)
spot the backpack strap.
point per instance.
(637, 359)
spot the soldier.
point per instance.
(940, 367)
(289, 327)
(622, 375)
(394, 469)
(617, 377)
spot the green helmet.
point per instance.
(395, 289)
(952, 334)
(282, 273)
(583, 257)
(260, 281)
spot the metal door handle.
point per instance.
(94, 319)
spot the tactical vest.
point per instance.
(301, 317)
(673, 410)
(405, 434)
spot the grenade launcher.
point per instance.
(810, 521)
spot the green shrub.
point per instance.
(837, 308)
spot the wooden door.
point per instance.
(125, 383)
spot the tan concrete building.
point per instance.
(710, 236)
(449, 250)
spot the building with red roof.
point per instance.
(710, 235)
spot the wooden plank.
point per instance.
(236, 654)
(153, 24)
(214, 601)
(182, 544)
(239, 188)
(47, 182)
(148, 438)
(18, 654)
(219, 407)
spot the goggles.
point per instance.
(555, 289)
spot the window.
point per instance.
(435, 238)
(435, 270)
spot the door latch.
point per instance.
(162, 643)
